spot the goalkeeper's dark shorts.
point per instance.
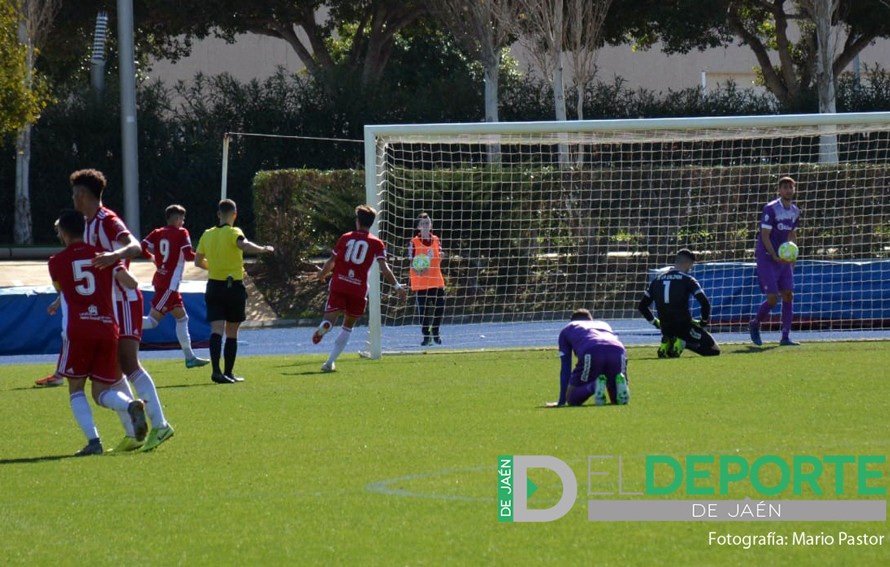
(696, 338)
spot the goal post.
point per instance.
(532, 235)
(372, 197)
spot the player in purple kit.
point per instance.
(778, 224)
(601, 367)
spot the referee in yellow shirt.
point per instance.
(221, 252)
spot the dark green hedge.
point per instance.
(303, 212)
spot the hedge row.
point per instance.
(303, 212)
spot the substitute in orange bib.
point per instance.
(427, 281)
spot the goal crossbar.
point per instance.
(442, 131)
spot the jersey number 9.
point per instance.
(164, 246)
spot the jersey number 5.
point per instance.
(86, 279)
(356, 251)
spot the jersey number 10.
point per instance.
(356, 251)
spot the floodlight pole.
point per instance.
(129, 138)
(97, 59)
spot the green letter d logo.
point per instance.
(521, 464)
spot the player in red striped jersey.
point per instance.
(107, 231)
(350, 262)
(170, 247)
(90, 331)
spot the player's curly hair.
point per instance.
(92, 179)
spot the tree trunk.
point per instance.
(579, 101)
(786, 60)
(826, 36)
(579, 108)
(492, 70)
(22, 227)
(771, 78)
(559, 88)
(559, 103)
(22, 233)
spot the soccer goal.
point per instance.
(537, 219)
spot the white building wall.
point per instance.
(257, 57)
(250, 57)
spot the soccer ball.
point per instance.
(420, 263)
(788, 251)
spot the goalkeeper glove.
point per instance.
(700, 323)
(656, 322)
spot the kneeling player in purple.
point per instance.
(778, 224)
(601, 367)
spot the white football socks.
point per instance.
(124, 388)
(149, 322)
(182, 335)
(339, 344)
(115, 400)
(145, 386)
(83, 415)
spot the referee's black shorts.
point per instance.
(226, 301)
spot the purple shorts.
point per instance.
(774, 277)
(607, 360)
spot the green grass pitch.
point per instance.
(395, 461)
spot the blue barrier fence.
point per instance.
(838, 295)
(828, 295)
(26, 328)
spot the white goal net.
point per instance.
(538, 219)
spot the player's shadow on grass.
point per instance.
(584, 406)
(195, 385)
(314, 364)
(304, 373)
(749, 349)
(28, 460)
